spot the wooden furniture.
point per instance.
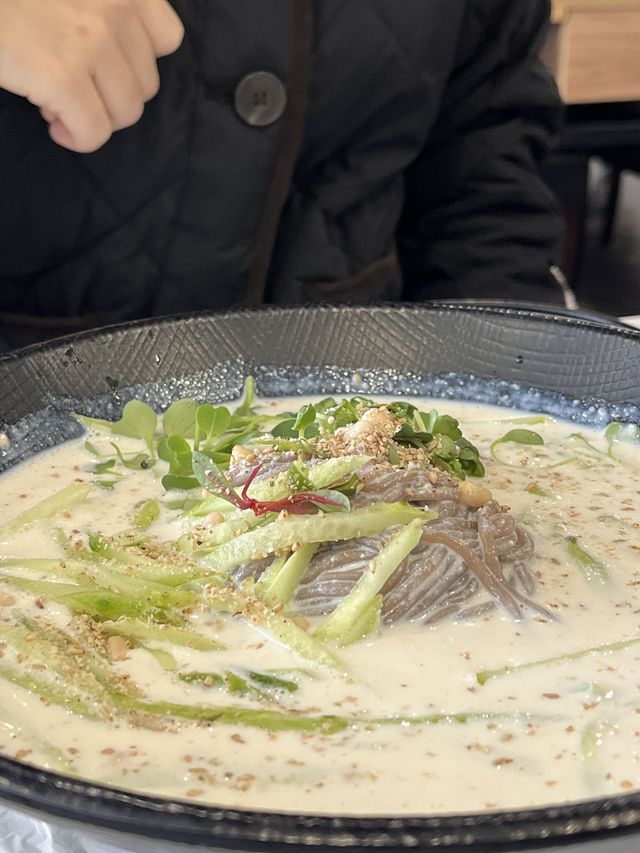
(593, 49)
(609, 131)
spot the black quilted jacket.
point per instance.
(403, 167)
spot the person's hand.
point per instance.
(90, 65)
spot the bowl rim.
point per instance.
(556, 314)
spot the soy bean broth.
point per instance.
(555, 732)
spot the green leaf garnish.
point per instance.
(305, 417)
(521, 436)
(202, 465)
(407, 436)
(135, 461)
(246, 406)
(180, 418)
(176, 450)
(446, 425)
(211, 421)
(284, 429)
(147, 514)
(103, 467)
(138, 421)
(516, 436)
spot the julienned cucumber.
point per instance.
(339, 624)
(136, 629)
(276, 623)
(53, 505)
(334, 527)
(278, 584)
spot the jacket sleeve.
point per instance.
(479, 222)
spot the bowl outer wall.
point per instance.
(575, 357)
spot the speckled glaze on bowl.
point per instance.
(578, 368)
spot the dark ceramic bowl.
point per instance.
(579, 368)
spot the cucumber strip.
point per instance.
(43, 565)
(50, 692)
(65, 693)
(212, 503)
(321, 476)
(283, 533)
(144, 568)
(208, 679)
(126, 561)
(232, 682)
(367, 622)
(325, 473)
(592, 569)
(104, 605)
(272, 720)
(143, 590)
(235, 524)
(147, 514)
(234, 601)
(484, 675)
(236, 716)
(97, 575)
(56, 758)
(33, 645)
(62, 568)
(339, 625)
(48, 589)
(330, 472)
(288, 633)
(56, 503)
(235, 683)
(591, 740)
(273, 681)
(101, 604)
(278, 584)
(164, 658)
(74, 658)
(144, 632)
(459, 717)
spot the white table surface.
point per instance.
(632, 320)
(21, 832)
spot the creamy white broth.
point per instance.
(563, 731)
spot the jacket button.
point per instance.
(260, 98)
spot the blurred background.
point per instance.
(593, 50)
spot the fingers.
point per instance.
(83, 116)
(77, 115)
(85, 106)
(89, 65)
(138, 49)
(119, 87)
(163, 25)
(123, 75)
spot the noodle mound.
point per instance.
(469, 561)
